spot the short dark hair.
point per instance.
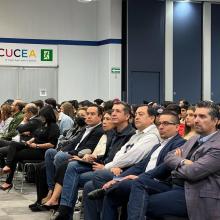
(166, 103)
(174, 107)
(86, 103)
(99, 109)
(213, 108)
(173, 114)
(185, 102)
(108, 105)
(52, 102)
(98, 101)
(39, 103)
(127, 108)
(150, 110)
(74, 103)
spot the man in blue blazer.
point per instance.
(195, 176)
(118, 189)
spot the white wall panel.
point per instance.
(81, 68)
(50, 19)
(78, 73)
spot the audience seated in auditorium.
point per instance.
(120, 135)
(86, 139)
(118, 189)
(40, 169)
(130, 153)
(84, 164)
(195, 176)
(41, 138)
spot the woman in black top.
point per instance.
(34, 149)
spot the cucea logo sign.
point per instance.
(17, 53)
(46, 55)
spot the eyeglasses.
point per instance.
(165, 123)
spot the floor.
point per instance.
(14, 204)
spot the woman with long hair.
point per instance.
(189, 123)
(43, 138)
(5, 118)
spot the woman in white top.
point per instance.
(5, 118)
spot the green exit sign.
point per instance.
(115, 69)
(46, 55)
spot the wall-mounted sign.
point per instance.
(115, 70)
(43, 92)
(27, 55)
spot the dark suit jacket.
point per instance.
(89, 142)
(30, 126)
(202, 178)
(140, 167)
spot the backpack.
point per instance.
(29, 170)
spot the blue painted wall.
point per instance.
(187, 51)
(146, 45)
(215, 64)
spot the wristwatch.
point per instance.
(37, 146)
(182, 162)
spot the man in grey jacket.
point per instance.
(195, 176)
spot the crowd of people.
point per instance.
(135, 162)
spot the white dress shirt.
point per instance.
(153, 159)
(136, 148)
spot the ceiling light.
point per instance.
(86, 1)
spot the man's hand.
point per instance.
(109, 184)
(74, 157)
(33, 145)
(178, 152)
(187, 162)
(116, 171)
(97, 166)
(130, 177)
(89, 157)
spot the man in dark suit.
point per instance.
(195, 176)
(117, 193)
(86, 139)
(77, 175)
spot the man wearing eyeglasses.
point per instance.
(117, 190)
(195, 176)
